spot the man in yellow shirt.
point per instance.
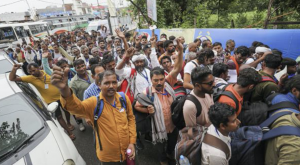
(42, 82)
(115, 129)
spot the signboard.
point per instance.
(285, 40)
(111, 8)
(151, 9)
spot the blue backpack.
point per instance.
(247, 145)
(98, 111)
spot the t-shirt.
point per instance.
(43, 84)
(190, 111)
(190, 66)
(229, 101)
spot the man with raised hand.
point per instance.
(115, 129)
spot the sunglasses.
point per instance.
(209, 83)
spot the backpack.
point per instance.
(257, 112)
(247, 145)
(125, 85)
(177, 109)
(98, 111)
(190, 140)
(222, 92)
(142, 120)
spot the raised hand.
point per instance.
(16, 66)
(179, 45)
(59, 78)
(129, 52)
(153, 41)
(120, 33)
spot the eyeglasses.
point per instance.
(209, 83)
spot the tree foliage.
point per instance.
(219, 13)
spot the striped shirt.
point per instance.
(92, 90)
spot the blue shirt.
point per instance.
(286, 97)
(92, 90)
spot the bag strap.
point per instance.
(195, 63)
(282, 130)
(216, 143)
(193, 99)
(231, 95)
(123, 100)
(131, 77)
(284, 104)
(97, 113)
(220, 84)
(267, 79)
(271, 119)
(149, 93)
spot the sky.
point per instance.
(21, 5)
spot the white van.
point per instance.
(96, 25)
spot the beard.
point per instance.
(172, 50)
(208, 91)
(139, 68)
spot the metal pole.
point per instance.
(29, 8)
(67, 15)
(109, 23)
(98, 9)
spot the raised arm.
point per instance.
(12, 75)
(153, 57)
(122, 36)
(68, 100)
(66, 54)
(179, 62)
(128, 54)
(256, 62)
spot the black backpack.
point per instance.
(257, 112)
(177, 109)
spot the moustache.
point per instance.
(159, 85)
(111, 90)
(172, 50)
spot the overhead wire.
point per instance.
(11, 3)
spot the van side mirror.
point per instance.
(52, 107)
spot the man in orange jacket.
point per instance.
(115, 127)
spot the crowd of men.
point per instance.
(124, 86)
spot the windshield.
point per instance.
(21, 31)
(5, 66)
(7, 35)
(18, 122)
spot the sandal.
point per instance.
(72, 137)
(71, 127)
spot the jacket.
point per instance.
(116, 126)
(284, 149)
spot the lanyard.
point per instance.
(165, 93)
(145, 76)
(88, 80)
(45, 79)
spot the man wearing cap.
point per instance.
(259, 52)
(141, 80)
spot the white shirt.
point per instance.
(140, 84)
(221, 82)
(188, 69)
(29, 57)
(249, 61)
(211, 155)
